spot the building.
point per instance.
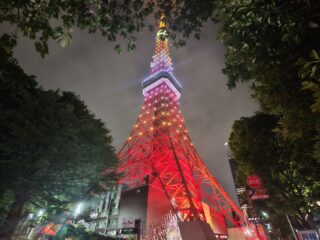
(240, 189)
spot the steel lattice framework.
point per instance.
(160, 147)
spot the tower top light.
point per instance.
(161, 66)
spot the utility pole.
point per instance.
(254, 218)
(292, 230)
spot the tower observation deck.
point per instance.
(159, 153)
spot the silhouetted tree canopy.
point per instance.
(284, 166)
(45, 20)
(273, 46)
(52, 149)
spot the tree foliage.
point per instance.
(273, 45)
(72, 232)
(45, 20)
(283, 165)
(52, 149)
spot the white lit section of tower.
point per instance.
(161, 66)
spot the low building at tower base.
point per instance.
(144, 213)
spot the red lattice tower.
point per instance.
(159, 150)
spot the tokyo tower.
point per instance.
(159, 152)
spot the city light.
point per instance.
(240, 190)
(268, 226)
(248, 232)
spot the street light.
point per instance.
(265, 214)
(78, 209)
(40, 212)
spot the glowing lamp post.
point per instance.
(78, 209)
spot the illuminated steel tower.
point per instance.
(159, 152)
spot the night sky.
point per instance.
(110, 84)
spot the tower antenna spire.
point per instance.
(162, 23)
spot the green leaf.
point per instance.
(64, 42)
(285, 37)
(118, 49)
(313, 25)
(313, 71)
(57, 35)
(300, 61)
(314, 55)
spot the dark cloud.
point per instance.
(110, 84)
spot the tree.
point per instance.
(283, 165)
(268, 44)
(72, 232)
(273, 46)
(44, 20)
(52, 149)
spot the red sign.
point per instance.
(51, 229)
(254, 181)
(257, 194)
